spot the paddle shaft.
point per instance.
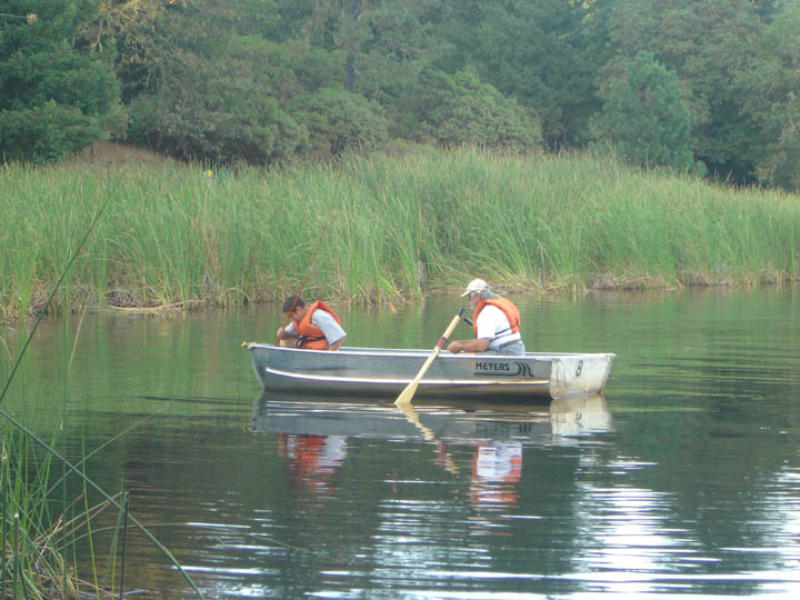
(408, 393)
(303, 283)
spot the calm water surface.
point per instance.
(684, 479)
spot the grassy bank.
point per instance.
(392, 228)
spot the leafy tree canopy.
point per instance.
(712, 47)
(55, 95)
(645, 117)
(468, 111)
(544, 53)
(339, 120)
(268, 80)
(222, 108)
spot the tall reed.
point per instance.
(32, 539)
(35, 536)
(397, 227)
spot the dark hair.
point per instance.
(293, 302)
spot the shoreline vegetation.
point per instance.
(394, 227)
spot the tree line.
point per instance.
(698, 86)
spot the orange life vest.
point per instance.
(311, 336)
(508, 307)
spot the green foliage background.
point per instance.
(54, 97)
(645, 117)
(268, 82)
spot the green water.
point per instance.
(684, 479)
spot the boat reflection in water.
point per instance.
(451, 422)
(572, 417)
(314, 435)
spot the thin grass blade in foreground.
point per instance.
(43, 311)
(52, 451)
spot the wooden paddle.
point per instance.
(408, 393)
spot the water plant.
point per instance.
(34, 539)
(397, 228)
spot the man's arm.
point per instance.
(336, 345)
(487, 325)
(474, 345)
(285, 333)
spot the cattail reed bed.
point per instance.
(393, 228)
(37, 539)
(46, 523)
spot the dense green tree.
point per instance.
(395, 61)
(713, 48)
(545, 53)
(772, 94)
(268, 80)
(338, 24)
(464, 110)
(339, 120)
(222, 108)
(768, 9)
(645, 117)
(154, 36)
(180, 107)
(56, 95)
(380, 39)
(204, 84)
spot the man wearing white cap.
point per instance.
(496, 323)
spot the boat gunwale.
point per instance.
(417, 352)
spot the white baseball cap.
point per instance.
(476, 285)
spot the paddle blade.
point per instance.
(407, 394)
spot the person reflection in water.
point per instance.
(312, 459)
(496, 471)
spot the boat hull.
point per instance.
(382, 372)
